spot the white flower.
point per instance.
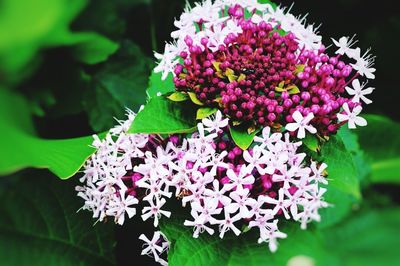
(301, 124)
(364, 63)
(155, 246)
(240, 179)
(344, 44)
(168, 61)
(318, 173)
(359, 92)
(215, 161)
(198, 224)
(281, 204)
(267, 138)
(216, 195)
(242, 202)
(155, 211)
(122, 206)
(228, 224)
(153, 189)
(272, 235)
(202, 142)
(352, 116)
(216, 124)
(285, 176)
(256, 159)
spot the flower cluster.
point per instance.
(262, 64)
(263, 69)
(223, 185)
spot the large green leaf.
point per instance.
(342, 172)
(163, 116)
(119, 84)
(345, 169)
(369, 238)
(241, 137)
(20, 148)
(159, 86)
(39, 226)
(381, 142)
(28, 26)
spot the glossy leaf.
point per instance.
(311, 142)
(159, 86)
(365, 239)
(162, 116)
(205, 112)
(119, 84)
(241, 137)
(40, 225)
(178, 97)
(20, 148)
(342, 172)
(381, 144)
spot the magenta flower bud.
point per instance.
(330, 82)
(204, 41)
(209, 71)
(332, 128)
(183, 54)
(231, 155)
(296, 98)
(340, 65)
(271, 117)
(305, 95)
(315, 108)
(333, 60)
(288, 103)
(285, 95)
(271, 108)
(189, 41)
(279, 109)
(324, 58)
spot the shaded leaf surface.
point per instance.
(20, 148)
(119, 84)
(39, 226)
(352, 242)
(381, 144)
(162, 116)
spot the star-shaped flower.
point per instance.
(301, 124)
(352, 117)
(359, 92)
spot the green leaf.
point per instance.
(205, 112)
(40, 225)
(20, 148)
(374, 233)
(162, 116)
(157, 85)
(94, 48)
(369, 238)
(342, 172)
(178, 97)
(311, 142)
(380, 141)
(194, 98)
(341, 205)
(119, 84)
(267, 2)
(241, 137)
